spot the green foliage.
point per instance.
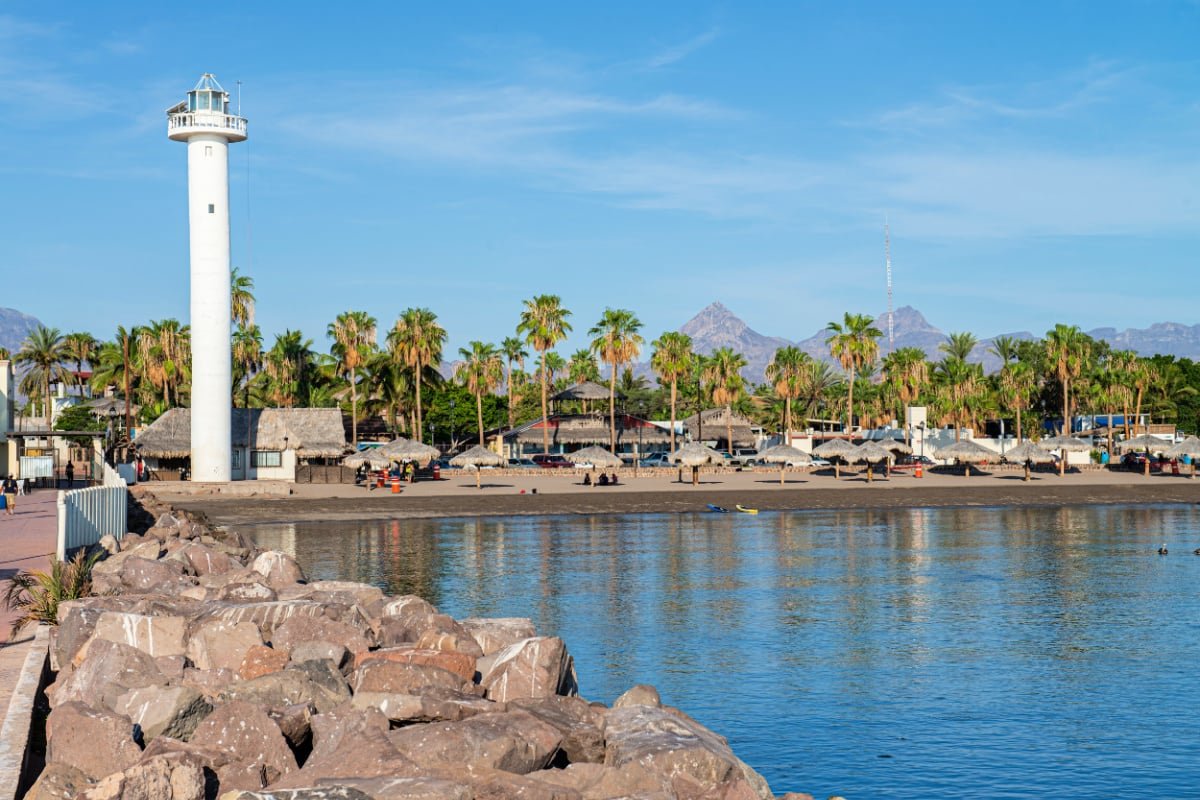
(35, 595)
(78, 418)
(450, 414)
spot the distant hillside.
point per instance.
(716, 326)
(14, 327)
(1163, 338)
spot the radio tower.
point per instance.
(887, 249)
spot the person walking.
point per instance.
(9, 487)
(70, 474)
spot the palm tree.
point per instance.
(616, 341)
(247, 358)
(544, 323)
(288, 366)
(672, 360)
(481, 371)
(5, 354)
(581, 367)
(417, 342)
(1004, 348)
(907, 371)
(854, 343)
(163, 350)
(79, 347)
(1067, 351)
(958, 345)
(723, 374)
(241, 295)
(961, 388)
(514, 353)
(786, 373)
(1017, 382)
(353, 334)
(389, 388)
(43, 354)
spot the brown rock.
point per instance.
(395, 677)
(246, 590)
(431, 705)
(305, 793)
(144, 575)
(295, 721)
(493, 635)
(495, 784)
(320, 651)
(172, 711)
(392, 788)
(155, 636)
(76, 624)
(209, 682)
(247, 734)
(515, 741)
(159, 778)
(219, 644)
(58, 782)
(453, 641)
(409, 627)
(278, 568)
(404, 605)
(285, 688)
(460, 664)
(537, 667)
(267, 615)
(318, 629)
(94, 742)
(205, 560)
(595, 781)
(580, 725)
(347, 592)
(105, 671)
(640, 695)
(349, 744)
(261, 660)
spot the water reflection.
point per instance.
(955, 641)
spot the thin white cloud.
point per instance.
(677, 53)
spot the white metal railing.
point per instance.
(85, 515)
(209, 120)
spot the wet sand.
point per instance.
(564, 494)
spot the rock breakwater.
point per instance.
(204, 668)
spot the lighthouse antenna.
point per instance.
(887, 250)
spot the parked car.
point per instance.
(817, 461)
(443, 464)
(656, 460)
(912, 462)
(743, 457)
(522, 463)
(552, 461)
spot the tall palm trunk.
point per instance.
(1020, 438)
(510, 396)
(612, 409)
(1125, 415)
(125, 369)
(545, 415)
(787, 420)
(1137, 410)
(1066, 424)
(729, 427)
(420, 421)
(353, 410)
(479, 415)
(850, 402)
(46, 400)
(674, 385)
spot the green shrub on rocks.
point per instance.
(35, 595)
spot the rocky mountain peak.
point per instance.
(714, 319)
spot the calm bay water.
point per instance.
(952, 652)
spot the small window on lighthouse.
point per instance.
(208, 149)
(212, 209)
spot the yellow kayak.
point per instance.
(745, 510)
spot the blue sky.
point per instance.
(1038, 162)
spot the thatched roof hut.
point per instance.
(478, 456)
(402, 449)
(372, 458)
(1027, 453)
(1189, 447)
(1147, 442)
(714, 423)
(311, 432)
(785, 455)
(598, 457)
(587, 390)
(967, 452)
(588, 429)
(694, 454)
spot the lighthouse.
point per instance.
(204, 121)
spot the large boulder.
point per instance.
(154, 635)
(220, 644)
(349, 743)
(158, 778)
(514, 742)
(285, 688)
(395, 677)
(580, 724)
(278, 568)
(597, 781)
(460, 664)
(204, 560)
(679, 750)
(247, 734)
(431, 705)
(105, 671)
(261, 660)
(58, 782)
(536, 667)
(143, 575)
(318, 629)
(452, 641)
(267, 615)
(173, 711)
(394, 788)
(347, 592)
(493, 635)
(95, 742)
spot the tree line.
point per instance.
(396, 374)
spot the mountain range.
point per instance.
(14, 327)
(717, 326)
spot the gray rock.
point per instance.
(158, 778)
(173, 711)
(515, 741)
(320, 651)
(285, 688)
(640, 695)
(493, 635)
(219, 644)
(349, 744)
(537, 667)
(110, 544)
(431, 705)
(247, 734)
(106, 670)
(267, 615)
(205, 560)
(348, 592)
(278, 568)
(92, 741)
(154, 635)
(143, 575)
(246, 590)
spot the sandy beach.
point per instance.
(558, 493)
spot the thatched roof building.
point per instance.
(715, 426)
(311, 432)
(587, 390)
(570, 432)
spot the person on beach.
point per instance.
(10, 495)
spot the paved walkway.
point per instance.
(27, 540)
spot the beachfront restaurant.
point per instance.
(712, 427)
(268, 443)
(567, 433)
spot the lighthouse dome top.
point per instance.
(205, 110)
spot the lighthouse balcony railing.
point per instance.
(223, 122)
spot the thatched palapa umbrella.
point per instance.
(371, 458)
(1027, 453)
(409, 450)
(1065, 444)
(1189, 447)
(896, 446)
(836, 448)
(1151, 444)
(598, 457)
(871, 453)
(785, 456)
(967, 452)
(478, 456)
(694, 454)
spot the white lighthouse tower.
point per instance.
(204, 122)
